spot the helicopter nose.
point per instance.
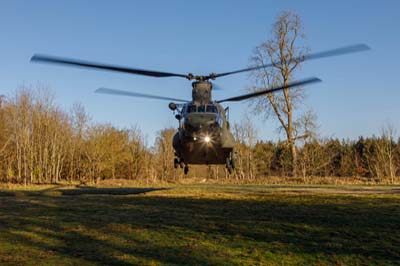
(200, 121)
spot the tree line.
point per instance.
(41, 143)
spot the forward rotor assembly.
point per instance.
(40, 58)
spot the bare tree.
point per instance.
(79, 120)
(245, 134)
(165, 153)
(385, 164)
(96, 152)
(283, 49)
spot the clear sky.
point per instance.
(360, 92)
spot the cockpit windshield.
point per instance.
(211, 109)
(202, 108)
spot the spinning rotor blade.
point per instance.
(263, 92)
(135, 94)
(338, 51)
(81, 63)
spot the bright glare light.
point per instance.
(207, 139)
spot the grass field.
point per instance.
(201, 225)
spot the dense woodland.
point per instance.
(41, 143)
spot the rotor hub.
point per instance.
(212, 76)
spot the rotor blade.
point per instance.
(338, 51)
(263, 92)
(81, 63)
(136, 94)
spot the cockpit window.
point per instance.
(202, 109)
(191, 109)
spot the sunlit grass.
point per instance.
(201, 225)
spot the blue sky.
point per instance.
(359, 93)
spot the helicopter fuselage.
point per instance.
(203, 135)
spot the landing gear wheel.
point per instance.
(186, 170)
(178, 162)
(228, 165)
(233, 164)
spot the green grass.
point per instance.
(201, 225)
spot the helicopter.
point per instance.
(203, 135)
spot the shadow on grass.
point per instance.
(107, 191)
(79, 191)
(7, 193)
(135, 230)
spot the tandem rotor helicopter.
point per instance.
(203, 135)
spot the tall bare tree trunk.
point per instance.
(284, 50)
